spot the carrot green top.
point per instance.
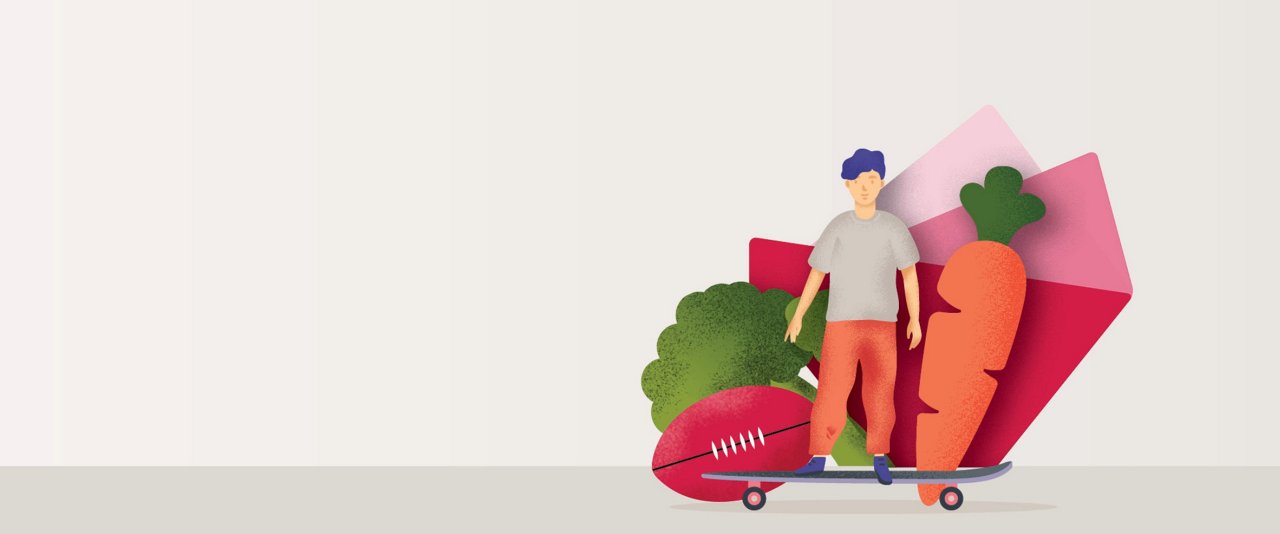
(1000, 208)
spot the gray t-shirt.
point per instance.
(863, 258)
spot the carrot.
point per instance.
(986, 281)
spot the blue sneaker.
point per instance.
(882, 470)
(815, 465)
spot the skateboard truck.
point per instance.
(753, 498)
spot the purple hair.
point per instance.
(861, 161)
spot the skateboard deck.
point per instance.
(867, 476)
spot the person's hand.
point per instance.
(914, 334)
(793, 329)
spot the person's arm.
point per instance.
(911, 287)
(806, 298)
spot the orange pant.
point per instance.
(846, 343)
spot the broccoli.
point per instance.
(728, 336)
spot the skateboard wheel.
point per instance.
(951, 498)
(753, 498)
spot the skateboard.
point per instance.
(951, 498)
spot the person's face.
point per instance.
(865, 188)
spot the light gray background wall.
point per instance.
(449, 233)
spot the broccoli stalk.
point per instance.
(1000, 209)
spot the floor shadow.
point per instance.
(864, 507)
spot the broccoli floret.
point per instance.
(728, 336)
(814, 325)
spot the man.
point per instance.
(861, 249)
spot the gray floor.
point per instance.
(424, 499)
